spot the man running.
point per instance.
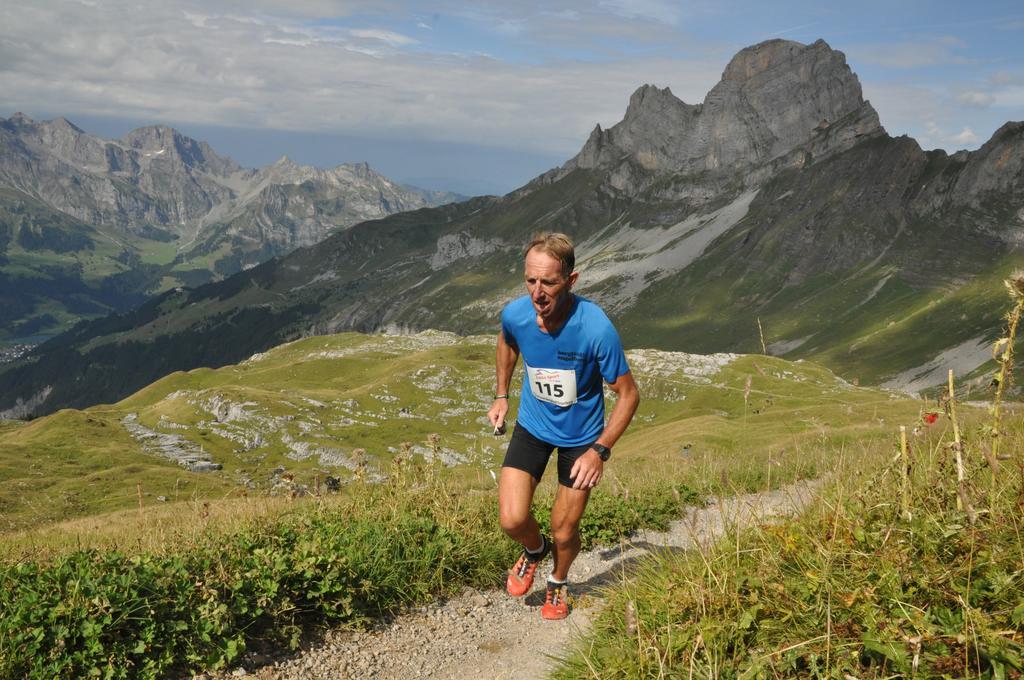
(568, 346)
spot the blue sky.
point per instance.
(475, 96)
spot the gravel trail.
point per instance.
(492, 635)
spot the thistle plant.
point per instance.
(1003, 353)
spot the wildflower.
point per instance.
(930, 417)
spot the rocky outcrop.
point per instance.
(173, 447)
(454, 247)
(23, 408)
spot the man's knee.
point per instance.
(565, 533)
(515, 493)
(513, 520)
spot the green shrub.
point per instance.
(111, 615)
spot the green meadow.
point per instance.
(342, 408)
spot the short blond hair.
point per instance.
(558, 246)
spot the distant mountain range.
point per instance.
(90, 225)
(777, 208)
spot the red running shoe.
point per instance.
(520, 577)
(556, 604)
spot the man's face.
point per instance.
(549, 290)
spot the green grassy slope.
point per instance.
(345, 406)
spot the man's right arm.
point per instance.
(505, 359)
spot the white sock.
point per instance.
(543, 543)
(555, 582)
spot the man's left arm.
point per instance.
(588, 468)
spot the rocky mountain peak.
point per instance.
(22, 123)
(285, 171)
(151, 136)
(38, 139)
(26, 124)
(774, 98)
(763, 57)
(651, 97)
(64, 123)
(997, 168)
(161, 141)
(19, 119)
(362, 169)
(285, 163)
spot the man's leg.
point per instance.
(515, 493)
(565, 527)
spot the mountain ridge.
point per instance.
(146, 157)
(156, 209)
(849, 246)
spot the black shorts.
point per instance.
(527, 453)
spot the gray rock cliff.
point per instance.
(775, 100)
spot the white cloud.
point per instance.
(510, 27)
(793, 29)
(574, 24)
(389, 37)
(901, 106)
(1011, 97)
(935, 136)
(965, 138)
(294, 42)
(197, 20)
(1000, 78)
(212, 63)
(975, 98)
(909, 55)
(662, 11)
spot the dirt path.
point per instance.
(491, 635)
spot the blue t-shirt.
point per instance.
(563, 395)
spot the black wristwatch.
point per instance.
(602, 451)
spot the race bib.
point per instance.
(553, 385)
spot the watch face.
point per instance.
(602, 451)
